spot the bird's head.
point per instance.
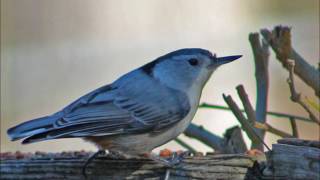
(186, 68)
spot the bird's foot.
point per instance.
(169, 159)
(117, 155)
(90, 159)
(254, 152)
(173, 160)
(166, 153)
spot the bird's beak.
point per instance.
(217, 61)
(227, 59)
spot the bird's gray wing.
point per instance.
(130, 105)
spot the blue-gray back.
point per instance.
(135, 103)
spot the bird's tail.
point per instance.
(31, 127)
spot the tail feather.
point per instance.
(32, 127)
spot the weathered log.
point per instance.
(289, 159)
(69, 167)
(294, 159)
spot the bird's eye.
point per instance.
(193, 62)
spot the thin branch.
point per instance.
(295, 96)
(246, 104)
(269, 128)
(294, 128)
(231, 143)
(280, 41)
(250, 114)
(242, 120)
(185, 145)
(271, 113)
(204, 136)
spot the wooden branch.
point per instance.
(231, 143)
(296, 97)
(204, 136)
(68, 166)
(261, 59)
(242, 120)
(246, 104)
(280, 41)
(251, 115)
(294, 127)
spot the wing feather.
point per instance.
(119, 108)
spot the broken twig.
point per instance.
(269, 128)
(295, 96)
(280, 41)
(242, 120)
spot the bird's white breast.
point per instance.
(137, 144)
(194, 97)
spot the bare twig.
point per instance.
(255, 138)
(250, 114)
(246, 104)
(261, 59)
(242, 120)
(204, 136)
(185, 145)
(295, 96)
(269, 128)
(271, 113)
(280, 41)
(294, 128)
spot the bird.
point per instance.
(141, 110)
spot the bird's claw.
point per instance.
(117, 155)
(172, 161)
(89, 160)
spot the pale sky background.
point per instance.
(53, 51)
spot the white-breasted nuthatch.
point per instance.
(138, 112)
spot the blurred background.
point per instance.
(53, 52)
